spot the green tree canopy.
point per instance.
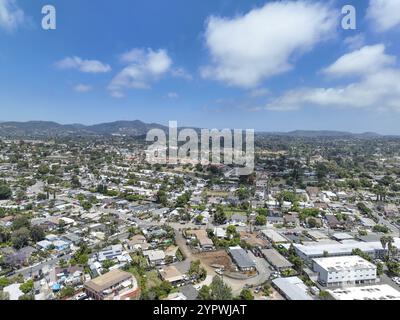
(5, 191)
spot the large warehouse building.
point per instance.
(377, 292)
(310, 252)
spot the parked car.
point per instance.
(81, 296)
(219, 271)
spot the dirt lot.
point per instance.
(274, 296)
(216, 258)
(252, 239)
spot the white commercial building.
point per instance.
(374, 249)
(377, 292)
(349, 270)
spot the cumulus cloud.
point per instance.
(355, 42)
(384, 14)
(82, 88)
(262, 43)
(368, 59)
(11, 16)
(380, 91)
(377, 89)
(144, 68)
(85, 66)
(132, 56)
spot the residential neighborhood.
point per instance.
(86, 220)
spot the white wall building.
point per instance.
(350, 270)
(374, 249)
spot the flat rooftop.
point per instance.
(318, 235)
(154, 255)
(377, 292)
(346, 263)
(274, 236)
(108, 280)
(342, 236)
(276, 259)
(342, 248)
(293, 288)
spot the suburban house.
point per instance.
(110, 253)
(204, 241)
(137, 242)
(114, 285)
(155, 257)
(242, 259)
(220, 233)
(290, 220)
(172, 275)
(333, 222)
(238, 219)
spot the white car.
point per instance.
(81, 296)
(219, 271)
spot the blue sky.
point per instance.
(264, 65)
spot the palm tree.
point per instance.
(387, 241)
(384, 242)
(47, 189)
(390, 242)
(379, 192)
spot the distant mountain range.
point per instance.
(53, 129)
(131, 128)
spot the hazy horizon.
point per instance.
(181, 125)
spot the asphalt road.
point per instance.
(26, 272)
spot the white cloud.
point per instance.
(355, 42)
(11, 16)
(136, 55)
(385, 14)
(145, 67)
(172, 95)
(380, 91)
(377, 89)
(262, 43)
(86, 66)
(368, 59)
(83, 88)
(133, 56)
